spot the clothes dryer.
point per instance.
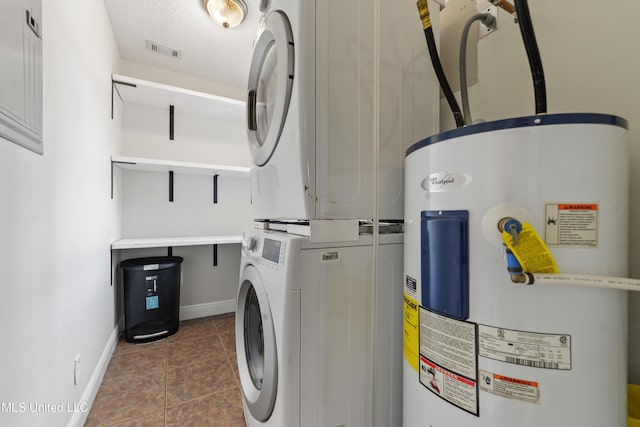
(308, 324)
(329, 82)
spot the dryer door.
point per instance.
(256, 346)
(270, 85)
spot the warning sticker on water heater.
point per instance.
(507, 387)
(449, 342)
(410, 331)
(538, 350)
(455, 389)
(448, 359)
(571, 224)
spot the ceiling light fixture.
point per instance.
(226, 13)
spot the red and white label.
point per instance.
(455, 389)
(510, 388)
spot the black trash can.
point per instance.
(151, 297)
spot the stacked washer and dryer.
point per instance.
(337, 91)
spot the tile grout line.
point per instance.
(202, 397)
(233, 372)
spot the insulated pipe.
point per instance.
(533, 54)
(585, 280)
(423, 8)
(488, 20)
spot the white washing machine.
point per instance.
(328, 79)
(305, 331)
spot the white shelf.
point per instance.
(163, 242)
(159, 95)
(154, 165)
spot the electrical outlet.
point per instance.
(76, 370)
(484, 29)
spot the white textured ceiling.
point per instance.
(208, 51)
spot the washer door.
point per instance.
(270, 85)
(256, 346)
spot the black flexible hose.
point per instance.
(533, 54)
(423, 9)
(442, 78)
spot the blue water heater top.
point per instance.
(518, 122)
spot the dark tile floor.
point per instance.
(188, 379)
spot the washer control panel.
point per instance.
(268, 252)
(273, 251)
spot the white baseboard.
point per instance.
(86, 401)
(208, 309)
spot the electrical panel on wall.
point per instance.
(21, 72)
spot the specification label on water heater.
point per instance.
(548, 351)
(571, 224)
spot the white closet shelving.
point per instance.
(137, 91)
(163, 242)
(155, 165)
(204, 222)
(157, 95)
(164, 166)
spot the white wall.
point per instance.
(591, 63)
(197, 138)
(147, 212)
(161, 75)
(57, 220)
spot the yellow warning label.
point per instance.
(411, 337)
(530, 251)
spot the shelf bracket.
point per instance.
(122, 163)
(170, 251)
(171, 121)
(215, 255)
(171, 186)
(215, 188)
(112, 179)
(114, 88)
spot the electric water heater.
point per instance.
(480, 350)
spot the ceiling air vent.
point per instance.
(155, 47)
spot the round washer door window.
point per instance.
(256, 346)
(269, 88)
